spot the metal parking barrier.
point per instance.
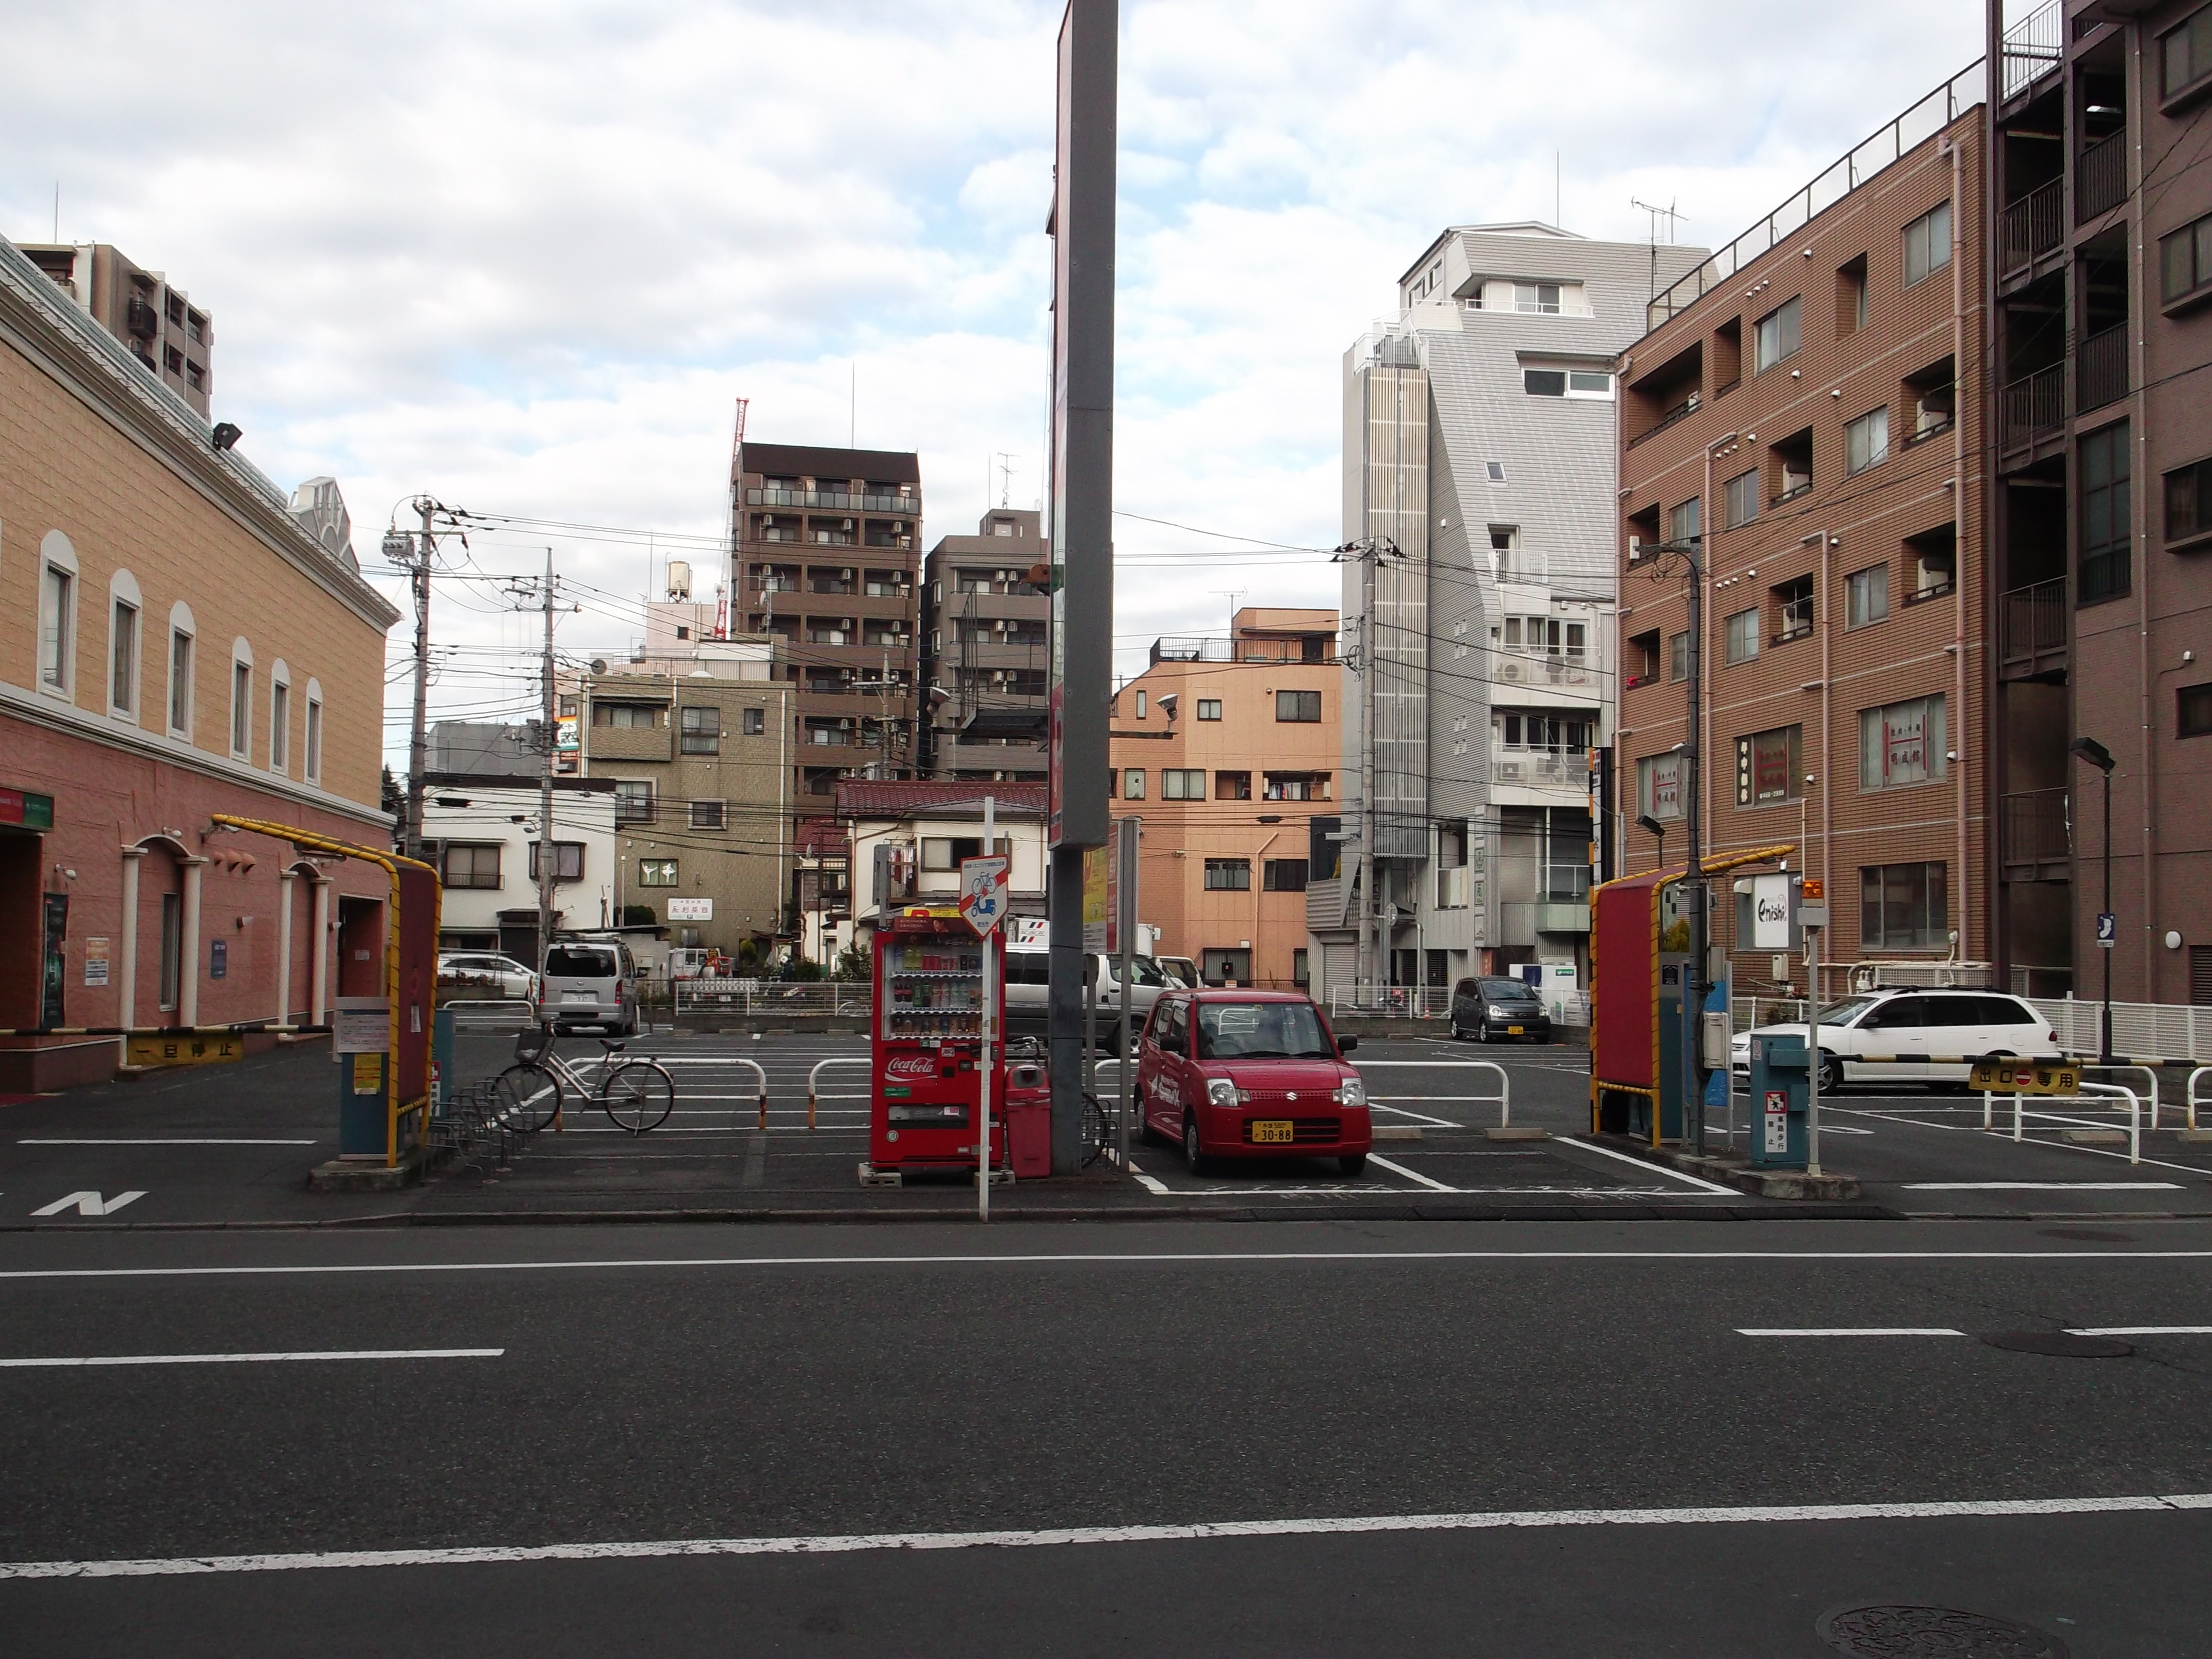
(2202, 1071)
(2107, 1090)
(813, 1081)
(480, 1016)
(1505, 1090)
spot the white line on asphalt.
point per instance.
(250, 1358)
(2042, 1186)
(173, 1140)
(1095, 1259)
(1697, 1181)
(1418, 1117)
(1858, 1330)
(1975, 1128)
(1381, 1163)
(2142, 1330)
(856, 1543)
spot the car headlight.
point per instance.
(1496, 1012)
(1222, 1092)
(1351, 1092)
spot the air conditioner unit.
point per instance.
(846, 524)
(844, 576)
(1577, 676)
(1509, 671)
(1635, 549)
(1509, 771)
(433, 850)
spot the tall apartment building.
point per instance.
(1479, 468)
(1229, 750)
(172, 338)
(1805, 418)
(985, 625)
(822, 558)
(2101, 284)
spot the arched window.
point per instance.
(242, 700)
(310, 754)
(124, 644)
(280, 716)
(184, 636)
(57, 575)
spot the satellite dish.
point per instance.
(599, 664)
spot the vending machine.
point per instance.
(926, 1044)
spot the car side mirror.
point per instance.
(1345, 1045)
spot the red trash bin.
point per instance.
(1029, 1133)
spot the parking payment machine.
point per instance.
(1781, 1083)
(924, 1090)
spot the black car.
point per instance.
(1499, 1010)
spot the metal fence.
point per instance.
(840, 999)
(2154, 1032)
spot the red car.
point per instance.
(1250, 1074)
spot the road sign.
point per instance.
(2025, 1077)
(983, 892)
(2108, 930)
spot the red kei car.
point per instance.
(1250, 1074)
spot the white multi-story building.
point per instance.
(1480, 468)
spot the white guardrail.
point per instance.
(2161, 1032)
(814, 1080)
(2100, 1090)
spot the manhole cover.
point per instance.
(2089, 1235)
(1889, 1632)
(2061, 1343)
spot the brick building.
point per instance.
(985, 636)
(174, 642)
(1806, 415)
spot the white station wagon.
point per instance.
(1913, 1036)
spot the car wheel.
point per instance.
(1193, 1159)
(1831, 1073)
(1353, 1163)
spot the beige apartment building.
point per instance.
(1228, 748)
(173, 339)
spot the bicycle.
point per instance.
(638, 1094)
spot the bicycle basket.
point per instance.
(530, 1046)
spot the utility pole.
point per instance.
(547, 857)
(1693, 888)
(413, 555)
(1367, 551)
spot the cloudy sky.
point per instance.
(525, 257)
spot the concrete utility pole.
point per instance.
(547, 857)
(1693, 549)
(1367, 971)
(413, 555)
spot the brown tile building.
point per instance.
(984, 628)
(1806, 412)
(2100, 276)
(170, 336)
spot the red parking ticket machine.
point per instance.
(925, 1043)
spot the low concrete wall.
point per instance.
(46, 1064)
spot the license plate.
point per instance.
(579, 996)
(1513, 1031)
(1274, 1133)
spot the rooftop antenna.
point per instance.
(1005, 460)
(58, 210)
(853, 406)
(1668, 213)
(1558, 219)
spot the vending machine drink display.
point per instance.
(926, 1043)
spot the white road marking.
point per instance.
(1042, 1537)
(1858, 1330)
(1697, 1181)
(90, 1204)
(2142, 1330)
(1380, 1162)
(2042, 1186)
(1400, 1111)
(252, 1358)
(174, 1141)
(1091, 1259)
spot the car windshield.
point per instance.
(1261, 1031)
(1506, 990)
(1846, 1011)
(1143, 970)
(576, 961)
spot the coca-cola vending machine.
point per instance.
(926, 1045)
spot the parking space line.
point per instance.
(249, 1359)
(170, 1140)
(1381, 1163)
(1855, 1330)
(1400, 1111)
(1697, 1181)
(2142, 1330)
(2043, 1186)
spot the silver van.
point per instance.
(589, 982)
(1028, 977)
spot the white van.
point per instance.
(1029, 976)
(589, 982)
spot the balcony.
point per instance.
(2033, 225)
(1540, 768)
(2100, 370)
(2100, 183)
(836, 500)
(1191, 648)
(628, 743)
(1577, 676)
(2035, 406)
(1554, 918)
(2032, 632)
(2033, 47)
(2035, 840)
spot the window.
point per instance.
(1494, 471)
(1301, 975)
(1209, 709)
(1902, 744)
(567, 861)
(656, 872)
(1793, 609)
(1566, 383)
(181, 683)
(1541, 298)
(642, 715)
(2189, 501)
(1866, 441)
(1935, 563)
(1140, 705)
(1296, 786)
(1851, 295)
(2105, 506)
(1544, 382)
(2185, 54)
(280, 722)
(1283, 876)
(1659, 785)
(1686, 520)
(1778, 336)
(1302, 708)
(1739, 497)
(1589, 383)
(1678, 657)
(1229, 875)
(1866, 596)
(1177, 784)
(1934, 399)
(1767, 767)
(173, 948)
(1928, 244)
(1793, 465)
(947, 853)
(756, 722)
(2193, 711)
(57, 599)
(314, 754)
(708, 814)
(633, 800)
(241, 707)
(1132, 784)
(1546, 732)
(1232, 786)
(2184, 261)
(468, 865)
(699, 730)
(123, 659)
(1741, 634)
(1643, 662)
(1904, 906)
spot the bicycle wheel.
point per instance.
(525, 1097)
(638, 1095)
(1097, 1130)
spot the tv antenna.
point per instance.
(1666, 213)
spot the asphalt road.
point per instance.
(1580, 1403)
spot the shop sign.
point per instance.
(95, 961)
(21, 806)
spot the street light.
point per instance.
(2098, 755)
(1657, 830)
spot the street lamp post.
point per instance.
(2098, 755)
